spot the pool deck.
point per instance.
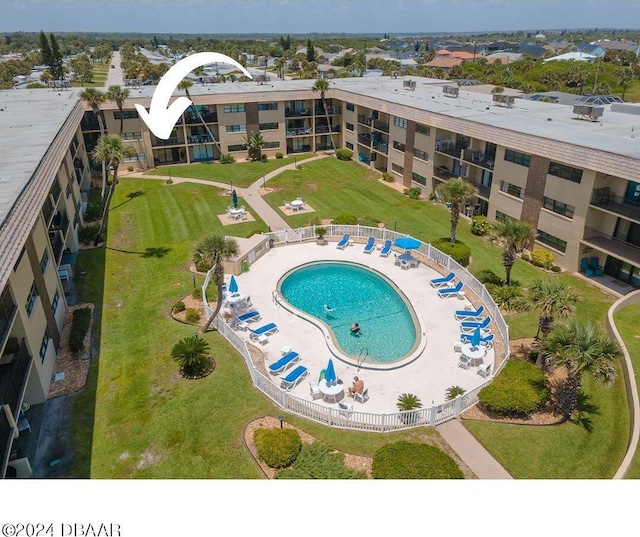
(429, 376)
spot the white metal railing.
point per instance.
(355, 419)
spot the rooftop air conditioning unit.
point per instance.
(506, 100)
(409, 84)
(588, 112)
(451, 91)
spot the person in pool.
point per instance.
(355, 328)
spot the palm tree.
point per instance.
(111, 152)
(94, 98)
(582, 348)
(551, 298)
(456, 192)
(255, 143)
(118, 95)
(407, 402)
(322, 86)
(625, 79)
(212, 252)
(191, 353)
(512, 235)
(185, 85)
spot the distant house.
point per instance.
(620, 46)
(444, 63)
(572, 56)
(590, 48)
(504, 57)
(535, 50)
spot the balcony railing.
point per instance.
(305, 131)
(7, 313)
(381, 125)
(477, 157)
(208, 118)
(331, 110)
(47, 211)
(300, 149)
(604, 198)
(57, 245)
(365, 120)
(442, 173)
(449, 147)
(323, 147)
(611, 245)
(200, 139)
(381, 147)
(297, 112)
(322, 129)
(364, 139)
(173, 140)
(14, 379)
(483, 191)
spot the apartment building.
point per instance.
(43, 170)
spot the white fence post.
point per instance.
(458, 405)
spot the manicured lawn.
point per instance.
(627, 322)
(240, 174)
(100, 71)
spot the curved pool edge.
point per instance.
(328, 335)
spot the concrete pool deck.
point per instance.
(428, 377)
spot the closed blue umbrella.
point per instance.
(233, 285)
(407, 243)
(475, 337)
(234, 198)
(330, 373)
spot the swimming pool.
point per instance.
(339, 294)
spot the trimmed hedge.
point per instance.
(79, 327)
(88, 234)
(518, 390)
(346, 219)
(412, 460)
(460, 252)
(318, 461)
(180, 306)
(277, 447)
(192, 315)
(344, 154)
(480, 225)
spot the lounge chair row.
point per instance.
(369, 247)
(291, 379)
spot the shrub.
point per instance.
(508, 297)
(344, 154)
(197, 293)
(227, 159)
(407, 402)
(36, 85)
(279, 154)
(180, 306)
(79, 327)
(525, 257)
(518, 390)
(368, 221)
(277, 447)
(556, 268)
(480, 225)
(264, 158)
(346, 219)
(460, 252)
(88, 234)
(412, 460)
(413, 193)
(94, 208)
(317, 461)
(386, 176)
(192, 315)
(321, 232)
(542, 258)
(129, 168)
(453, 392)
(191, 353)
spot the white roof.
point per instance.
(574, 56)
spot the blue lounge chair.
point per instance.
(486, 341)
(468, 327)
(442, 282)
(446, 293)
(287, 360)
(291, 380)
(386, 249)
(371, 244)
(265, 330)
(249, 317)
(464, 315)
(584, 266)
(595, 266)
(343, 242)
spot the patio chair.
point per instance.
(265, 330)
(249, 317)
(485, 341)
(463, 315)
(467, 327)
(343, 242)
(284, 363)
(294, 377)
(595, 266)
(362, 397)
(464, 361)
(314, 391)
(345, 410)
(386, 249)
(442, 282)
(584, 266)
(446, 293)
(484, 369)
(371, 244)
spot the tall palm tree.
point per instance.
(322, 86)
(185, 85)
(212, 252)
(110, 151)
(512, 235)
(456, 192)
(118, 95)
(582, 348)
(94, 98)
(551, 298)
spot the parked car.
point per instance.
(113, 66)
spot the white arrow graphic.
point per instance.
(161, 117)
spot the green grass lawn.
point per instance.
(627, 322)
(241, 174)
(100, 71)
(148, 422)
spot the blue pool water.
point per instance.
(354, 294)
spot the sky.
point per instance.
(303, 16)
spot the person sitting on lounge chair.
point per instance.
(328, 309)
(358, 386)
(355, 329)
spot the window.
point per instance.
(131, 135)
(550, 240)
(399, 146)
(271, 145)
(17, 264)
(267, 106)
(349, 126)
(268, 126)
(44, 345)
(512, 190)
(228, 108)
(236, 128)
(350, 107)
(237, 147)
(423, 129)
(135, 157)
(517, 158)
(397, 168)
(31, 299)
(54, 303)
(349, 145)
(399, 122)
(565, 172)
(44, 262)
(126, 114)
(502, 217)
(558, 207)
(422, 155)
(419, 179)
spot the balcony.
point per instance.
(14, 374)
(483, 191)
(606, 199)
(477, 157)
(304, 131)
(173, 140)
(209, 117)
(297, 112)
(300, 149)
(381, 125)
(60, 223)
(606, 243)
(323, 129)
(331, 110)
(199, 139)
(381, 147)
(7, 313)
(57, 245)
(47, 211)
(449, 147)
(443, 173)
(364, 139)
(365, 120)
